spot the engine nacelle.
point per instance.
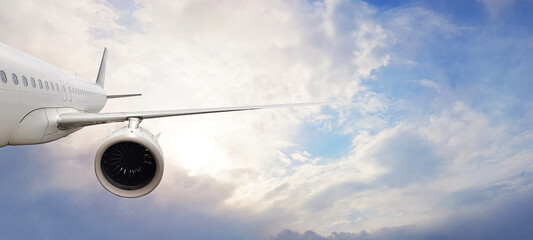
(129, 163)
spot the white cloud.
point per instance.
(430, 84)
(495, 7)
(410, 174)
(59, 32)
(411, 28)
(301, 156)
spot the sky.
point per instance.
(436, 143)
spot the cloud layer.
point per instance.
(439, 130)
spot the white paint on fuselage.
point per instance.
(18, 100)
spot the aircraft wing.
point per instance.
(74, 120)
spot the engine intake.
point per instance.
(129, 163)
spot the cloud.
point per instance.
(58, 32)
(410, 174)
(206, 54)
(413, 26)
(505, 219)
(496, 7)
(430, 84)
(90, 211)
(438, 158)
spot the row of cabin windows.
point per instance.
(52, 86)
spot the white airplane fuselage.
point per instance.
(33, 94)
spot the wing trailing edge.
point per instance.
(75, 120)
(110, 96)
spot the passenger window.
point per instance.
(69, 90)
(52, 86)
(57, 87)
(15, 79)
(40, 84)
(46, 85)
(24, 81)
(33, 82)
(3, 76)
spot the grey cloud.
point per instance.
(409, 158)
(30, 209)
(328, 198)
(290, 235)
(476, 196)
(508, 218)
(276, 191)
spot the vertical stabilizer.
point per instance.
(100, 79)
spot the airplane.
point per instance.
(40, 103)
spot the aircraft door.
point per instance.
(69, 92)
(63, 91)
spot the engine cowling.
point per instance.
(129, 163)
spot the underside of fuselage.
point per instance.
(24, 122)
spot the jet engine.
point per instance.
(129, 163)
